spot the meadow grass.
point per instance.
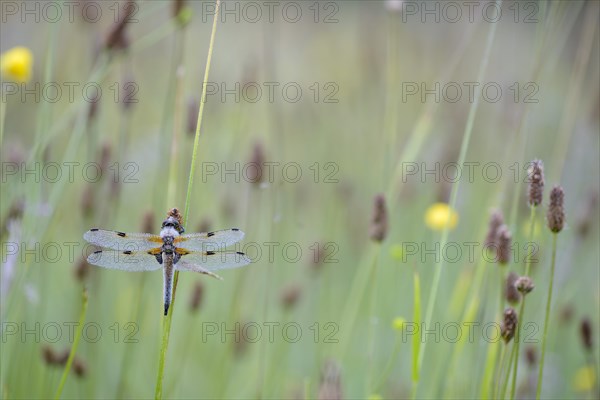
(357, 300)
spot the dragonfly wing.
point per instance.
(134, 261)
(209, 241)
(122, 241)
(198, 261)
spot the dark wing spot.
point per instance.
(98, 252)
(94, 230)
(122, 234)
(210, 253)
(235, 229)
(240, 253)
(209, 234)
(128, 252)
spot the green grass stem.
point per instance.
(78, 334)
(455, 186)
(166, 321)
(547, 317)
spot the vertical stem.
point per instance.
(389, 365)
(416, 344)
(501, 291)
(521, 314)
(517, 343)
(2, 117)
(547, 317)
(63, 379)
(166, 321)
(531, 230)
(505, 385)
(454, 193)
(200, 113)
(371, 329)
(498, 376)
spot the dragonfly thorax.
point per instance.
(168, 244)
(168, 231)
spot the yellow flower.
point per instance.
(16, 64)
(584, 379)
(398, 323)
(439, 216)
(396, 252)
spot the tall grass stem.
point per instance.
(454, 193)
(78, 334)
(547, 317)
(167, 319)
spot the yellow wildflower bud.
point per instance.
(584, 379)
(398, 323)
(396, 252)
(439, 216)
(16, 64)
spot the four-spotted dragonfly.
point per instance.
(171, 250)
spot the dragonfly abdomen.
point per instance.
(168, 271)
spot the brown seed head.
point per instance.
(192, 116)
(586, 217)
(177, 7)
(148, 224)
(181, 13)
(504, 245)
(79, 367)
(531, 356)
(524, 285)
(82, 269)
(48, 355)
(105, 154)
(330, 387)
(241, 341)
(556, 211)
(566, 314)
(496, 221)
(205, 225)
(255, 173)
(585, 329)
(536, 182)
(290, 296)
(87, 201)
(117, 38)
(15, 212)
(197, 295)
(93, 108)
(509, 325)
(317, 257)
(510, 291)
(174, 212)
(379, 221)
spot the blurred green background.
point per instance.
(362, 124)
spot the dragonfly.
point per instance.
(172, 250)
